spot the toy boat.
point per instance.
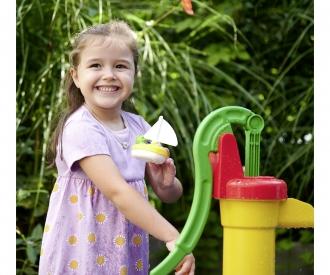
(149, 148)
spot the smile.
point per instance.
(107, 89)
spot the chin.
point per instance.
(109, 106)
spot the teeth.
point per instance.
(107, 89)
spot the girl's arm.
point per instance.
(105, 175)
(163, 181)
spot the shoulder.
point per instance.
(82, 121)
(132, 116)
(81, 114)
(136, 121)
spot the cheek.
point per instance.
(88, 78)
(129, 79)
(132, 80)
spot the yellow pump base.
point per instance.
(249, 232)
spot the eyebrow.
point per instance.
(93, 60)
(124, 60)
(100, 59)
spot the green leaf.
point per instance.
(37, 232)
(307, 257)
(285, 244)
(31, 252)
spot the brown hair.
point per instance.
(74, 97)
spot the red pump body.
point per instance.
(229, 181)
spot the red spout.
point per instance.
(226, 164)
(229, 181)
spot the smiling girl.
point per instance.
(99, 217)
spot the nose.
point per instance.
(109, 74)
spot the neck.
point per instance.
(110, 119)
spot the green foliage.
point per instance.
(255, 54)
(30, 246)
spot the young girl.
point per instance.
(99, 216)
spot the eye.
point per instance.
(95, 65)
(121, 66)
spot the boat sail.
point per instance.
(162, 132)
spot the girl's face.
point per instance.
(105, 74)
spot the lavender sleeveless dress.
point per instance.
(84, 232)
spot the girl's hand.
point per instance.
(163, 174)
(163, 181)
(187, 265)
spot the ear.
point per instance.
(74, 75)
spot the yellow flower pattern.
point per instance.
(80, 216)
(101, 217)
(72, 240)
(73, 199)
(123, 270)
(139, 265)
(90, 191)
(91, 238)
(137, 240)
(55, 188)
(119, 241)
(74, 264)
(46, 228)
(101, 260)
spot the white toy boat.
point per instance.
(149, 148)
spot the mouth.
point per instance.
(107, 89)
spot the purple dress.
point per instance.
(84, 232)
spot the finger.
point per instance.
(169, 171)
(186, 267)
(170, 245)
(169, 165)
(155, 168)
(192, 270)
(170, 161)
(169, 178)
(178, 267)
(152, 165)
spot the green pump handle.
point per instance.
(215, 124)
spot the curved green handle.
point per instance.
(205, 141)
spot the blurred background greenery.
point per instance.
(255, 54)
